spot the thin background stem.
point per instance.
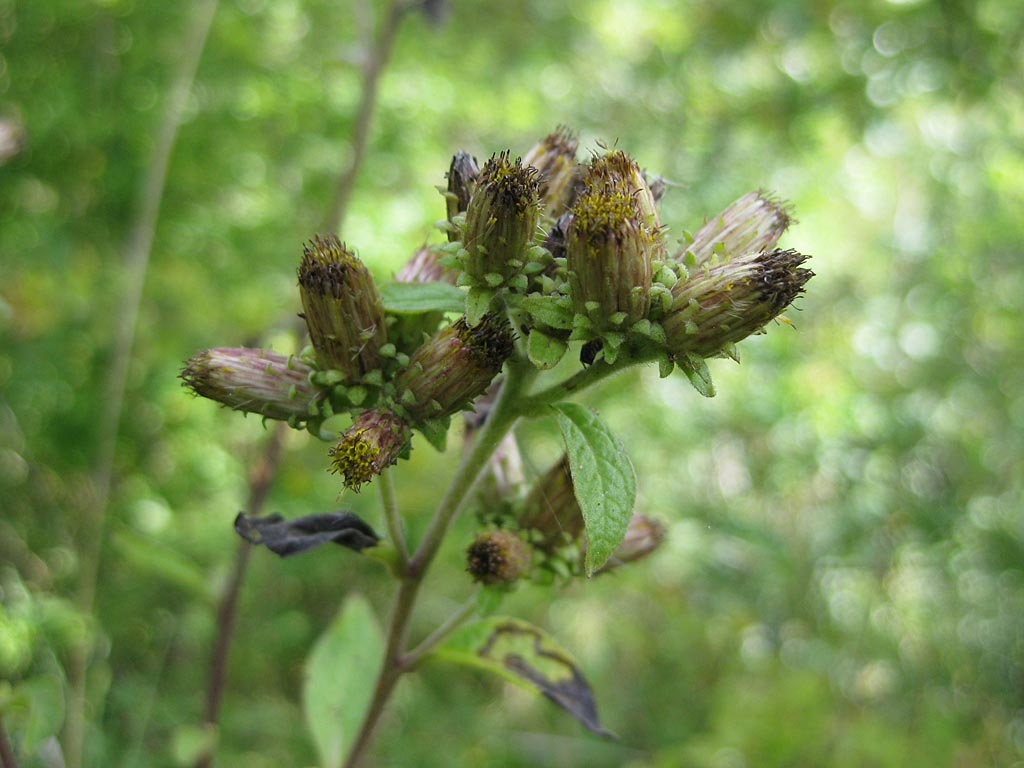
(260, 482)
(136, 261)
(7, 759)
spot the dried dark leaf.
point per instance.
(290, 537)
(525, 654)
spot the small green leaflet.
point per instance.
(603, 478)
(544, 351)
(340, 675)
(696, 370)
(416, 298)
(527, 656)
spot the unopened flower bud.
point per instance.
(342, 307)
(254, 381)
(462, 178)
(725, 303)
(643, 536)
(551, 509)
(555, 160)
(501, 219)
(751, 224)
(609, 251)
(453, 367)
(423, 267)
(497, 557)
(372, 443)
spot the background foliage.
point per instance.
(843, 582)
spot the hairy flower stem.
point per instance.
(392, 518)
(412, 659)
(500, 420)
(534, 405)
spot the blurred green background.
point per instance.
(843, 582)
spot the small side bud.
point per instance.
(501, 219)
(643, 536)
(497, 557)
(554, 157)
(751, 224)
(342, 307)
(254, 381)
(462, 178)
(372, 443)
(454, 367)
(551, 509)
(423, 267)
(609, 252)
(724, 304)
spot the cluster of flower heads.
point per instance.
(560, 250)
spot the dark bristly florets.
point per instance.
(497, 557)
(374, 442)
(342, 308)
(725, 303)
(455, 366)
(254, 381)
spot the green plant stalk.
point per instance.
(535, 405)
(392, 518)
(413, 658)
(501, 419)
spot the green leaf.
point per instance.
(436, 432)
(416, 298)
(43, 697)
(603, 479)
(696, 370)
(478, 304)
(527, 656)
(549, 311)
(191, 742)
(545, 351)
(340, 675)
(489, 599)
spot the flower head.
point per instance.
(342, 307)
(497, 557)
(453, 367)
(462, 178)
(374, 442)
(609, 250)
(554, 157)
(501, 219)
(551, 509)
(255, 381)
(751, 224)
(725, 303)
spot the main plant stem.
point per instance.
(501, 419)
